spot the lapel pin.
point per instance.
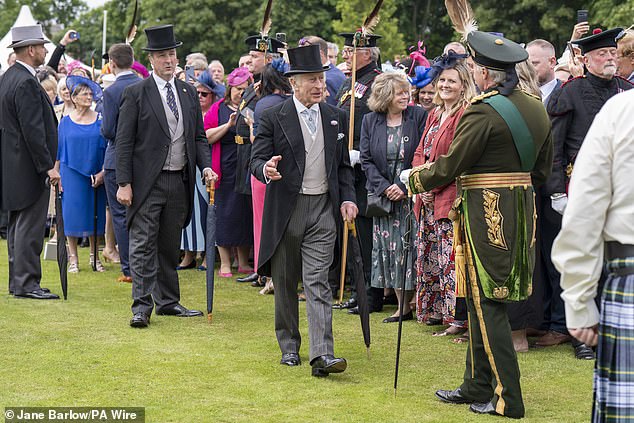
(334, 122)
(405, 138)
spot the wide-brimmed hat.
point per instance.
(305, 60)
(205, 80)
(363, 41)
(238, 76)
(161, 38)
(263, 44)
(22, 36)
(73, 81)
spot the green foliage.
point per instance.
(354, 12)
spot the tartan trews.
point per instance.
(614, 372)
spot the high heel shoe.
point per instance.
(110, 258)
(98, 266)
(191, 265)
(73, 265)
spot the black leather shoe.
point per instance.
(584, 352)
(488, 408)
(140, 320)
(392, 319)
(326, 364)
(351, 303)
(290, 359)
(452, 397)
(249, 278)
(178, 310)
(39, 294)
(355, 310)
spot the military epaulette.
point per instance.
(481, 97)
(572, 79)
(532, 95)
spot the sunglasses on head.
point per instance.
(622, 34)
(202, 93)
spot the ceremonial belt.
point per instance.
(496, 180)
(238, 139)
(620, 258)
(522, 136)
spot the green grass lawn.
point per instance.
(81, 352)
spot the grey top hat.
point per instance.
(22, 36)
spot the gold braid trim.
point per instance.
(494, 219)
(414, 179)
(481, 97)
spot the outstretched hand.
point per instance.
(270, 168)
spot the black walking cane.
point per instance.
(406, 248)
(62, 254)
(93, 178)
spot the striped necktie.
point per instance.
(171, 100)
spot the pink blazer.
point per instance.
(444, 196)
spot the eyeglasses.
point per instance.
(203, 94)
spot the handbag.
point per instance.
(378, 205)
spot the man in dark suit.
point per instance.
(160, 139)
(28, 147)
(301, 153)
(121, 57)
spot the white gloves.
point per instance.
(404, 177)
(354, 157)
(558, 202)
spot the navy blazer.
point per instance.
(110, 115)
(373, 146)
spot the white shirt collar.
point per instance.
(548, 88)
(300, 107)
(27, 66)
(123, 73)
(161, 83)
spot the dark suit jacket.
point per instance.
(143, 139)
(280, 133)
(374, 146)
(28, 138)
(110, 114)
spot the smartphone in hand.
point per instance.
(582, 16)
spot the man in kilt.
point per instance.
(598, 227)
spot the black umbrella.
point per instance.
(210, 243)
(94, 225)
(62, 254)
(406, 248)
(358, 276)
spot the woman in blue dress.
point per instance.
(80, 156)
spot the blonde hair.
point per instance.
(528, 78)
(49, 83)
(384, 89)
(468, 92)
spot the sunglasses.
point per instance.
(622, 34)
(203, 94)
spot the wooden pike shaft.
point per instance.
(352, 97)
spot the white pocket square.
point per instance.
(340, 136)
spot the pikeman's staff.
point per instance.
(349, 229)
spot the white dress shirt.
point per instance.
(600, 208)
(27, 66)
(547, 89)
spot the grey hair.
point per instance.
(374, 54)
(333, 46)
(497, 76)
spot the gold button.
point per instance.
(499, 42)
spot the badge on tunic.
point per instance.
(359, 89)
(500, 292)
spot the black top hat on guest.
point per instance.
(368, 40)
(263, 44)
(161, 38)
(305, 60)
(598, 39)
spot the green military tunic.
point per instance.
(243, 141)
(498, 218)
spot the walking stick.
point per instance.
(94, 226)
(406, 249)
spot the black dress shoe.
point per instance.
(290, 359)
(39, 294)
(178, 310)
(351, 303)
(488, 408)
(259, 282)
(452, 397)
(249, 278)
(140, 320)
(393, 319)
(355, 310)
(584, 352)
(326, 364)
(433, 321)
(191, 265)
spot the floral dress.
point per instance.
(388, 269)
(436, 285)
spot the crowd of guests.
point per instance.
(405, 117)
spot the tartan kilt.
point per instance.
(614, 371)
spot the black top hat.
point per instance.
(305, 60)
(161, 38)
(364, 41)
(263, 44)
(494, 51)
(598, 39)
